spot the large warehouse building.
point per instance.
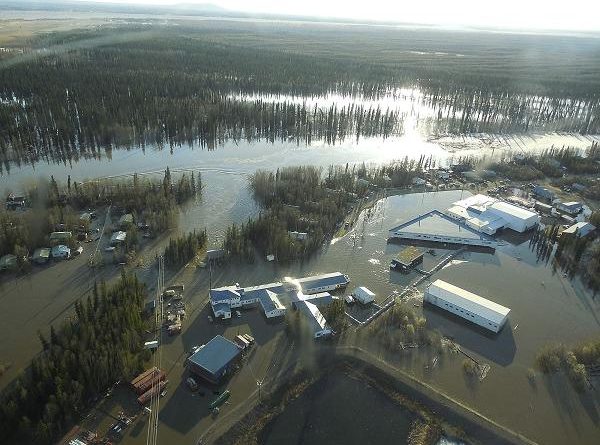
(488, 215)
(214, 360)
(467, 305)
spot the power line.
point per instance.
(152, 436)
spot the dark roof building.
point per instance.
(407, 258)
(215, 359)
(543, 193)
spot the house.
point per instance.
(360, 182)
(418, 182)
(578, 187)
(41, 255)
(542, 193)
(15, 202)
(85, 217)
(8, 262)
(363, 295)
(60, 237)
(118, 238)
(467, 305)
(301, 236)
(580, 229)
(570, 208)
(61, 252)
(215, 360)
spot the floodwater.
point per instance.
(362, 415)
(544, 306)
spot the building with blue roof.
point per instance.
(323, 283)
(215, 359)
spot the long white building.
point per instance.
(467, 305)
(488, 215)
(323, 283)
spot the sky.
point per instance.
(577, 15)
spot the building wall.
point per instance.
(463, 313)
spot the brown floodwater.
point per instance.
(545, 306)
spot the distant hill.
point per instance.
(123, 8)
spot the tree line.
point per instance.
(81, 358)
(304, 206)
(175, 87)
(181, 250)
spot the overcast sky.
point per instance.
(580, 15)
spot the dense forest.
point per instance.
(80, 94)
(306, 200)
(81, 359)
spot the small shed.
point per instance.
(301, 236)
(407, 259)
(363, 295)
(60, 237)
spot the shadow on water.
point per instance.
(499, 348)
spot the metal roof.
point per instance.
(320, 299)
(329, 279)
(513, 210)
(215, 355)
(314, 317)
(224, 294)
(467, 300)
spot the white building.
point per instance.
(580, 229)
(323, 283)
(223, 299)
(467, 305)
(570, 208)
(301, 236)
(363, 295)
(314, 318)
(488, 215)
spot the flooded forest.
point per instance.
(80, 94)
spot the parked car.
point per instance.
(78, 251)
